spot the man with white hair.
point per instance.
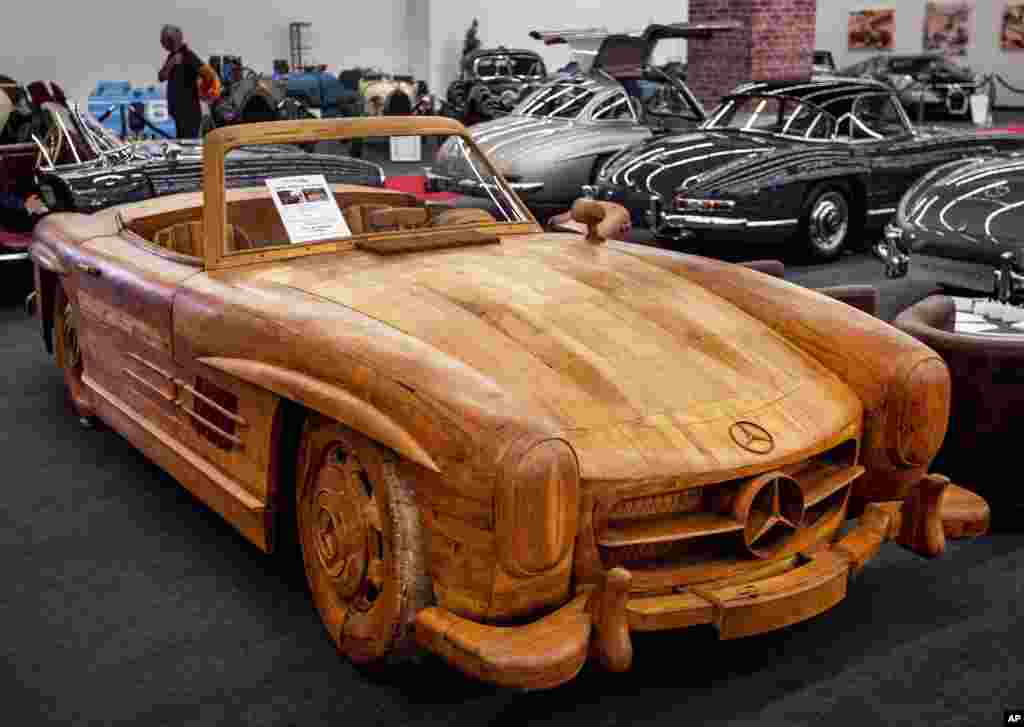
(182, 71)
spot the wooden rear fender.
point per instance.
(329, 400)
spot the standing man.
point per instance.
(182, 71)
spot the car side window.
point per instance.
(615, 107)
(809, 122)
(876, 116)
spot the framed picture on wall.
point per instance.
(1012, 37)
(872, 29)
(947, 26)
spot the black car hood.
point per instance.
(663, 163)
(93, 187)
(970, 210)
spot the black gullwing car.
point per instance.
(818, 160)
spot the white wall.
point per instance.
(115, 39)
(983, 56)
(508, 22)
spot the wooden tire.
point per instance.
(68, 353)
(362, 543)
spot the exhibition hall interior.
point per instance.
(428, 363)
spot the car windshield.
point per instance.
(558, 100)
(74, 136)
(773, 115)
(392, 186)
(508, 65)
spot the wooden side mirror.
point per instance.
(602, 219)
(590, 213)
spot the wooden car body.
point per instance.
(588, 437)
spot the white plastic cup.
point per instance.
(979, 109)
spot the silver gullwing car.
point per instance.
(555, 141)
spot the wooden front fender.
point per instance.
(903, 385)
(329, 400)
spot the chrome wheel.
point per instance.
(828, 224)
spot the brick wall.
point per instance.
(775, 42)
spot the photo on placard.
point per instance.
(1012, 36)
(872, 29)
(947, 26)
(314, 194)
(288, 196)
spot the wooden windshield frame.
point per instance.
(218, 143)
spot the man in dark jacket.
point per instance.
(182, 71)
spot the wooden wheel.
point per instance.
(362, 543)
(68, 353)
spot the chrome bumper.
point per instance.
(682, 225)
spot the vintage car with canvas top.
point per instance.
(512, 448)
(815, 161)
(557, 138)
(960, 224)
(492, 82)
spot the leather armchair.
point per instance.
(987, 407)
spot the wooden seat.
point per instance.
(397, 218)
(358, 216)
(462, 217)
(186, 238)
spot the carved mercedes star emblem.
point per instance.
(752, 437)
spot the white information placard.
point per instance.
(406, 149)
(308, 208)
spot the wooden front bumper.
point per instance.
(552, 650)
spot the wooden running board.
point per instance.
(247, 513)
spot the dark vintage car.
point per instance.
(85, 168)
(928, 79)
(555, 141)
(250, 97)
(960, 223)
(78, 165)
(492, 82)
(821, 160)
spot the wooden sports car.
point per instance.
(510, 447)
